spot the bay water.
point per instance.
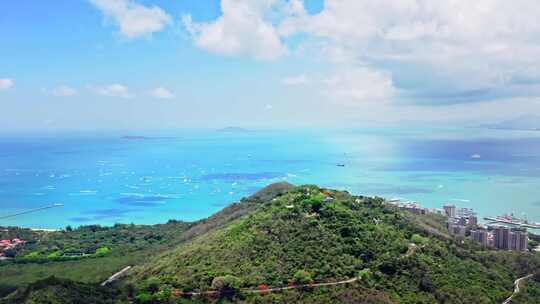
(150, 177)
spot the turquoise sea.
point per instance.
(107, 178)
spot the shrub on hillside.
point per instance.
(226, 285)
(102, 251)
(418, 239)
(302, 277)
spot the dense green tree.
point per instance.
(302, 277)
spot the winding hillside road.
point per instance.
(213, 292)
(516, 288)
(114, 277)
(303, 286)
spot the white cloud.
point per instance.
(113, 90)
(242, 29)
(6, 83)
(296, 80)
(456, 45)
(462, 50)
(134, 20)
(64, 91)
(161, 93)
(443, 52)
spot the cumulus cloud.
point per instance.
(430, 46)
(161, 93)
(113, 90)
(6, 83)
(134, 20)
(439, 52)
(242, 29)
(64, 91)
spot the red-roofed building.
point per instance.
(8, 244)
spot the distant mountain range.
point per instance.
(525, 122)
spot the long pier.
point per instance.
(508, 222)
(30, 211)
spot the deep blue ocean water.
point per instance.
(188, 175)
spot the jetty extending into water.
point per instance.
(31, 211)
(514, 221)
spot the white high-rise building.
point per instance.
(450, 210)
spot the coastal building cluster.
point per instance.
(464, 222)
(502, 237)
(414, 207)
(460, 220)
(6, 245)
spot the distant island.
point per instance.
(134, 137)
(233, 130)
(283, 244)
(140, 137)
(524, 122)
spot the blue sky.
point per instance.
(126, 64)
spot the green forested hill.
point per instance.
(300, 236)
(331, 236)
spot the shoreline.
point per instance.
(392, 201)
(45, 229)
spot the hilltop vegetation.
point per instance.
(290, 236)
(332, 236)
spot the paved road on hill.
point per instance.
(115, 276)
(516, 288)
(213, 292)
